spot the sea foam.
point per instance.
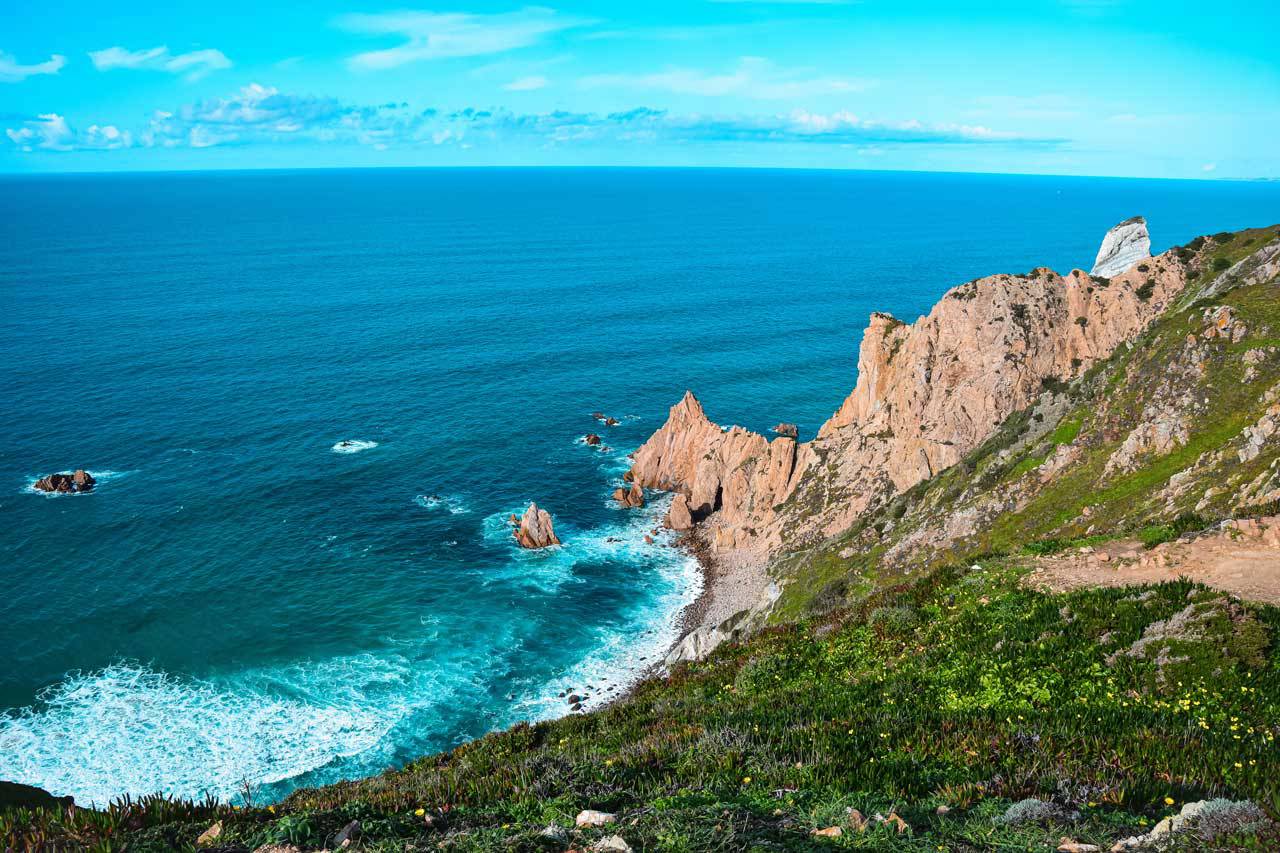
(351, 445)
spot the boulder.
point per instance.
(210, 835)
(610, 421)
(633, 497)
(611, 844)
(591, 817)
(679, 517)
(1124, 245)
(788, 430)
(80, 481)
(535, 529)
(591, 439)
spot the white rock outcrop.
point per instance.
(1124, 246)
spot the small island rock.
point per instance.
(788, 430)
(535, 529)
(80, 481)
(591, 439)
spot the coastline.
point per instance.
(731, 584)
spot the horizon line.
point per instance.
(609, 167)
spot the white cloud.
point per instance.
(753, 77)
(443, 35)
(259, 114)
(1209, 167)
(526, 84)
(193, 65)
(50, 132)
(11, 71)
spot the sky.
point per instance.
(1083, 87)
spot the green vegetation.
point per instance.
(962, 690)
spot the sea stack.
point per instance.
(1124, 246)
(80, 481)
(535, 529)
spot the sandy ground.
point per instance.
(1242, 558)
(732, 581)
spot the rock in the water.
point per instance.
(591, 817)
(679, 517)
(789, 430)
(610, 421)
(632, 497)
(535, 529)
(16, 795)
(592, 439)
(80, 481)
(1124, 246)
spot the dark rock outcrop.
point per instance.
(80, 481)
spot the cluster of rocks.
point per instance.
(80, 481)
(607, 420)
(633, 497)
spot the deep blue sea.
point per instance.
(237, 602)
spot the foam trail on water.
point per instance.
(130, 729)
(454, 504)
(353, 446)
(624, 650)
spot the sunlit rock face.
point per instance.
(1124, 246)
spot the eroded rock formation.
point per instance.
(633, 497)
(1125, 245)
(927, 394)
(535, 529)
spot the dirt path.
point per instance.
(1242, 558)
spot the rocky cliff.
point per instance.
(927, 393)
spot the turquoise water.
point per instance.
(239, 602)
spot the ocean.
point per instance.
(238, 602)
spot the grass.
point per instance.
(962, 690)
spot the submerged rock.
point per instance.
(80, 481)
(535, 529)
(1124, 246)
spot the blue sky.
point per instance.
(1091, 87)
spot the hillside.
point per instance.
(950, 663)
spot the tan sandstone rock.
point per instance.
(535, 529)
(927, 393)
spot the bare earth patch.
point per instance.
(1242, 558)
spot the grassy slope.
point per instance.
(957, 688)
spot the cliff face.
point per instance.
(927, 393)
